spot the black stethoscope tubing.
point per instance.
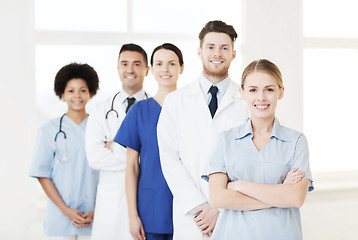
(60, 129)
(112, 109)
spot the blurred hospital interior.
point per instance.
(314, 42)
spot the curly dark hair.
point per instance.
(76, 70)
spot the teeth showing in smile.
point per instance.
(165, 77)
(130, 77)
(216, 61)
(77, 102)
(261, 107)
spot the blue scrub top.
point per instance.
(73, 178)
(139, 132)
(236, 155)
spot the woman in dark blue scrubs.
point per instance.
(148, 195)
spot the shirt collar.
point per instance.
(277, 130)
(245, 130)
(205, 84)
(140, 95)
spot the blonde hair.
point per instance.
(265, 66)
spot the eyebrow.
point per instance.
(173, 60)
(127, 61)
(74, 87)
(264, 87)
(221, 45)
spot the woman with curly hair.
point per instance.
(60, 162)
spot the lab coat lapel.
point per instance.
(198, 100)
(229, 97)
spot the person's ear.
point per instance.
(241, 91)
(181, 69)
(282, 93)
(199, 52)
(233, 54)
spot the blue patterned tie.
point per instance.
(213, 105)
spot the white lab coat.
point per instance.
(186, 132)
(111, 215)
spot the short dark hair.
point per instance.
(76, 70)
(134, 48)
(219, 27)
(171, 47)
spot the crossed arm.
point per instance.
(245, 196)
(100, 154)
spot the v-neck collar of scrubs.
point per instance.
(156, 103)
(81, 125)
(276, 131)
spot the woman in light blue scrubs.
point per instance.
(265, 163)
(148, 195)
(60, 162)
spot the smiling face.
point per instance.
(216, 54)
(261, 92)
(132, 69)
(76, 94)
(166, 67)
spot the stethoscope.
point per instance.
(113, 110)
(60, 131)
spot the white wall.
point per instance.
(273, 30)
(17, 99)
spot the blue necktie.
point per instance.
(213, 105)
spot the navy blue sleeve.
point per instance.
(128, 134)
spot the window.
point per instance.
(66, 31)
(330, 83)
(81, 15)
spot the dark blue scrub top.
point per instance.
(139, 132)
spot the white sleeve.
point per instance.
(183, 188)
(99, 157)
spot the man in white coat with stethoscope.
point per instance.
(111, 216)
(190, 120)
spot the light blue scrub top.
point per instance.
(237, 156)
(139, 132)
(75, 181)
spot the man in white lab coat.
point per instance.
(191, 118)
(111, 216)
